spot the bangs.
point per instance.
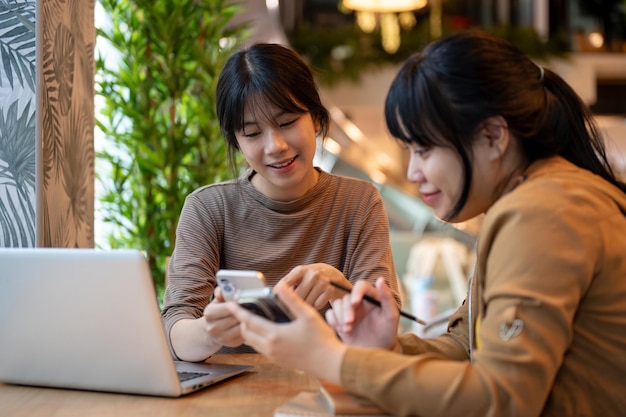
(415, 126)
(262, 100)
(415, 111)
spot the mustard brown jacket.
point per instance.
(543, 329)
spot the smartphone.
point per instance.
(233, 281)
(265, 304)
(250, 290)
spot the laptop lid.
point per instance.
(88, 319)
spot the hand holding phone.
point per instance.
(250, 290)
(266, 305)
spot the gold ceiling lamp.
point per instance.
(390, 13)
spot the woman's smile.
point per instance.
(430, 198)
(281, 165)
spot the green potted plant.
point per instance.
(155, 101)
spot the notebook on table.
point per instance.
(89, 319)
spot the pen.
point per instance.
(376, 302)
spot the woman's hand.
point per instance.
(221, 327)
(195, 340)
(306, 343)
(361, 323)
(310, 282)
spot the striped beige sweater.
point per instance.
(341, 221)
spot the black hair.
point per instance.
(265, 74)
(441, 96)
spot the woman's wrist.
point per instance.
(397, 347)
(332, 360)
(191, 342)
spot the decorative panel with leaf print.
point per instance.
(66, 39)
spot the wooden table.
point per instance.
(255, 393)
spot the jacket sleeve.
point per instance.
(454, 344)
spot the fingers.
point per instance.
(291, 344)
(385, 296)
(341, 314)
(315, 292)
(332, 318)
(230, 337)
(247, 319)
(215, 310)
(221, 326)
(292, 279)
(360, 290)
(322, 299)
(310, 282)
(296, 305)
(255, 330)
(352, 307)
(217, 294)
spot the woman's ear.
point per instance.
(496, 131)
(318, 127)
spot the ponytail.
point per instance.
(576, 135)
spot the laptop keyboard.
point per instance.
(186, 376)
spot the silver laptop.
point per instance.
(89, 319)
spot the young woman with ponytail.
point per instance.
(542, 331)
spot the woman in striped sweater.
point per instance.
(299, 225)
